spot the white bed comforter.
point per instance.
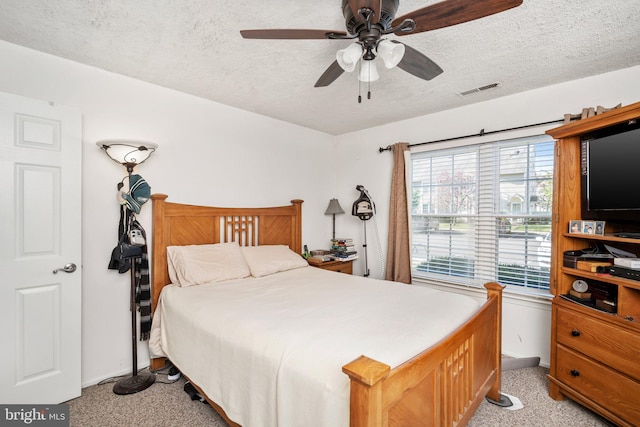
(270, 350)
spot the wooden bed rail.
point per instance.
(441, 386)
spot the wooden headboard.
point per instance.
(176, 224)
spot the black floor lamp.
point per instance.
(130, 153)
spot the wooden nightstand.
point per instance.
(339, 266)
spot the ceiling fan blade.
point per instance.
(453, 12)
(290, 34)
(330, 75)
(374, 5)
(414, 62)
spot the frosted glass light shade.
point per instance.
(348, 57)
(368, 72)
(391, 53)
(127, 152)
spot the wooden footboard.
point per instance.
(442, 386)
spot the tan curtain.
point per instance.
(398, 254)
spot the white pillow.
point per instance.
(198, 264)
(269, 259)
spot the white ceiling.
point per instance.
(194, 46)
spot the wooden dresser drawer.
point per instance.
(614, 346)
(609, 388)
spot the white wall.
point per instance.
(214, 154)
(208, 154)
(526, 323)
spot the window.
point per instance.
(483, 213)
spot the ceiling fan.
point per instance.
(369, 20)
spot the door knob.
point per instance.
(69, 268)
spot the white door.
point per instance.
(40, 222)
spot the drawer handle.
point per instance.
(575, 372)
(575, 333)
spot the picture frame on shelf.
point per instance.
(575, 226)
(588, 227)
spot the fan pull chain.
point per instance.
(359, 82)
(369, 83)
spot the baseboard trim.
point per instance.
(509, 363)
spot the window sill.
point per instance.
(479, 291)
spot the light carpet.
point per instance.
(167, 405)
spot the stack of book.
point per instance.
(343, 249)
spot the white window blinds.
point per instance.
(483, 213)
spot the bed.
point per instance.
(258, 369)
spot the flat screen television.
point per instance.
(610, 163)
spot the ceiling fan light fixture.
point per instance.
(368, 21)
(368, 72)
(391, 53)
(348, 57)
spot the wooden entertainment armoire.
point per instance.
(595, 354)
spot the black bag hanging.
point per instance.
(124, 252)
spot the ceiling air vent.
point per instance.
(479, 89)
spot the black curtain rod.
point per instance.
(481, 133)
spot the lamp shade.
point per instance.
(127, 152)
(391, 53)
(334, 208)
(368, 71)
(348, 57)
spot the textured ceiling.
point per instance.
(194, 46)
